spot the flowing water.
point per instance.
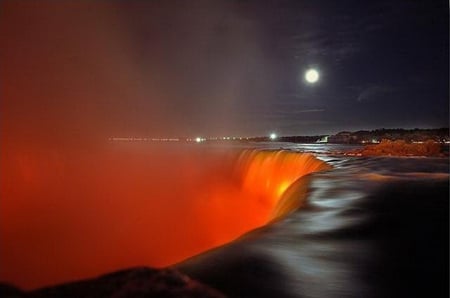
(366, 227)
(371, 227)
(68, 215)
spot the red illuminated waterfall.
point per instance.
(67, 215)
(266, 176)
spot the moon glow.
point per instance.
(312, 76)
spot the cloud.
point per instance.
(334, 41)
(293, 112)
(290, 113)
(344, 33)
(374, 92)
(309, 111)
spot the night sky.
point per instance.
(74, 69)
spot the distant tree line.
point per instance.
(375, 136)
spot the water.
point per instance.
(69, 215)
(370, 227)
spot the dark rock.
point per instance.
(135, 282)
(401, 148)
(10, 291)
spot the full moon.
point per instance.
(312, 76)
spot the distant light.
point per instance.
(198, 140)
(273, 136)
(312, 76)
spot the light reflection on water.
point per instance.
(358, 236)
(372, 227)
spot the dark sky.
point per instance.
(187, 68)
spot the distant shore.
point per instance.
(417, 135)
(401, 148)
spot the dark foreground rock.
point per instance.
(135, 282)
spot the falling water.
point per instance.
(268, 175)
(67, 215)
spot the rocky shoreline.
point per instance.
(401, 148)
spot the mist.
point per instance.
(89, 70)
